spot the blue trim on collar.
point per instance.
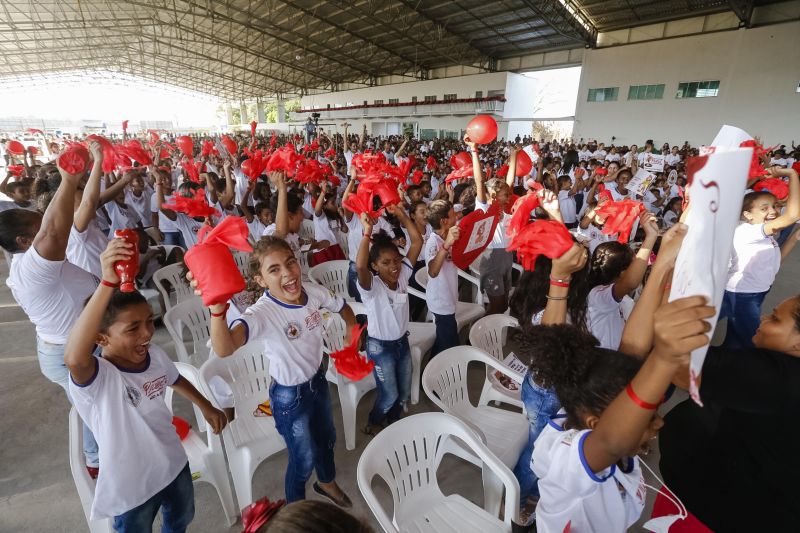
(246, 328)
(288, 306)
(592, 475)
(91, 380)
(132, 370)
(629, 468)
(552, 423)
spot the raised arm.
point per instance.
(83, 336)
(282, 216)
(480, 187)
(511, 175)
(320, 203)
(362, 258)
(435, 264)
(230, 190)
(111, 192)
(363, 137)
(792, 212)
(555, 312)
(248, 215)
(169, 213)
(632, 277)
(413, 232)
(91, 191)
(51, 240)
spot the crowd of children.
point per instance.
(602, 347)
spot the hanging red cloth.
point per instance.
(619, 217)
(195, 206)
(550, 238)
(75, 159)
(349, 361)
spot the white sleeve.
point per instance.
(38, 270)
(325, 297)
(431, 249)
(483, 206)
(602, 299)
(569, 473)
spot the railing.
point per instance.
(406, 109)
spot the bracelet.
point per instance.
(559, 283)
(638, 401)
(223, 313)
(368, 235)
(555, 297)
(105, 283)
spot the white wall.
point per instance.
(758, 70)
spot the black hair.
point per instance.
(311, 516)
(564, 179)
(609, 260)
(293, 203)
(260, 206)
(16, 223)
(585, 376)
(381, 242)
(118, 303)
(752, 197)
(530, 295)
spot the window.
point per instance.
(414, 99)
(378, 102)
(607, 94)
(394, 101)
(430, 98)
(365, 102)
(478, 94)
(497, 93)
(697, 89)
(646, 92)
(450, 97)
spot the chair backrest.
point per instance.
(246, 372)
(422, 277)
(307, 229)
(192, 375)
(169, 280)
(490, 332)
(341, 238)
(77, 463)
(333, 276)
(406, 456)
(242, 262)
(190, 315)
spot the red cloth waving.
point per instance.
(75, 159)
(194, 207)
(776, 186)
(212, 263)
(109, 153)
(230, 145)
(349, 362)
(541, 237)
(522, 213)
(620, 216)
(258, 513)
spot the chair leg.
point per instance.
(219, 477)
(242, 479)
(348, 398)
(487, 388)
(492, 492)
(416, 367)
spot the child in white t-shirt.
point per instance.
(258, 218)
(327, 224)
(288, 319)
(120, 397)
(442, 289)
(756, 258)
(383, 276)
(590, 478)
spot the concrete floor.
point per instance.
(37, 493)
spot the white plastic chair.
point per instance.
(83, 481)
(504, 432)
(341, 239)
(333, 276)
(406, 456)
(421, 337)
(489, 334)
(190, 314)
(466, 313)
(242, 260)
(206, 457)
(177, 290)
(307, 230)
(350, 392)
(249, 440)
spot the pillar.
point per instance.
(262, 117)
(281, 104)
(228, 113)
(243, 111)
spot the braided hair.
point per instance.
(609, 260)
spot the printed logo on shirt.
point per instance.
(313, 320)
(292, 331)
(134, 396)
(155, 388)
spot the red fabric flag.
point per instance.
(258, 513)
(134, 150)
(776, 186)
(284, 159)
(756, 170)
(15, 147)
(194, 206)
(619, 217)
(124, 126)
(522, 213)
(430, 163)
(349, 362)
(109, 152)
(253, 126)
(230, 145)
(330, 154)
(550, 238)
(35, 131)
(192, 169)
(15, 170)
(75, 159)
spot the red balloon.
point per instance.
(524, 163)
(15, 147)
(460, 159)
(482, 129)
(186, 144)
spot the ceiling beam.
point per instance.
(743, 10)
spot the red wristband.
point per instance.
(223, 313)
(558, 283)
(638, 401)
(109, 284)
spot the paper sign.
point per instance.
(640, 182)
(504, 381)
(481, 232)
(717, 184)
(653, 162)
(477, 230)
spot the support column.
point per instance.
(262, 117)
(243, 111)
(228, 113)
(281, 109)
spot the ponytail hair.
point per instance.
(381, 242)
(610, 259)
(585, 376)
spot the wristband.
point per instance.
(559, 283)
(555, 297)
(223, 313)
(105, 283)
(638, 401)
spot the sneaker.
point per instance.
(94, 471)
(527, 512)
(344, 503)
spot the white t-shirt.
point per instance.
(84, 248)
(5, 205)
(755, 260)
(140, 452)
(348, 156)
(325, 229)
(188, 228)
(165, 225)
(293, 239)
(122, 217)
(604, 316)
(50, 292)
(442, 291)
(387, 309)
(670, 218)
(567, 206)
(240, 186)
(141, 205)
(612, 158)
(292, 334)
(672, 159)
(499, 239)
(256, 228)
(572, 497)
(593, 236)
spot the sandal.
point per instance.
(344, 503)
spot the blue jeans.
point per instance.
(176, 502)
(446, 333)
(303, 417)
(352, 282)
(51, 363)
(174, 238)
(392, 376)
(540, 405)
(743, 311)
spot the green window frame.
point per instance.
(605, 94)
(698, 89)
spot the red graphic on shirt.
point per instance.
(313, 320)
(155, 388)
(568, 527)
